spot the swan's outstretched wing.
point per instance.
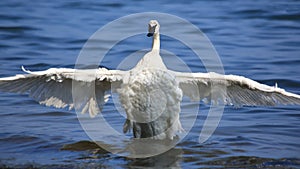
(232, 90)
(61, 87)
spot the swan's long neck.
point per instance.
(152, 59)
(156, 42)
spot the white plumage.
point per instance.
(149, 93)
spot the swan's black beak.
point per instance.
(150, 34)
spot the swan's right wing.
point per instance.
(84, 90)
(232, 90)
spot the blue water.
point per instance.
(256, 39)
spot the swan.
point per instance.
(149, 93)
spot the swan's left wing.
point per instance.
(232, 90)
(85, 90)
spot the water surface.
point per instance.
(256, 39)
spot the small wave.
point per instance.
(286, 17)
(252, 162)
(53, 113)
(16, 28)
(81, 146)
(19, 139)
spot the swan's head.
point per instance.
(153, 28)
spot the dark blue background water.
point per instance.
(256, 39)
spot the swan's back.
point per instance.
(151, 99)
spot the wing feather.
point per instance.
(233, 90)
(60, 87)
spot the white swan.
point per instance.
(149, 93)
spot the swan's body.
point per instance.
(149, 93)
